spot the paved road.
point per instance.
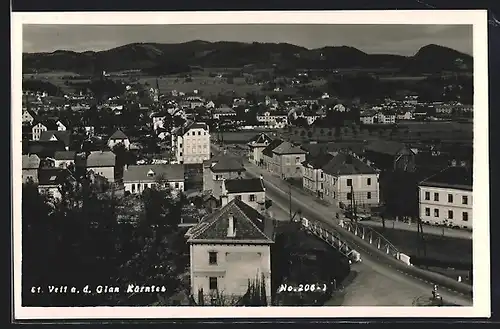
(277, 190)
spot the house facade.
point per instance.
(268, 159)
(446, 198)
(31, 165)
(28, 116)
(138, 178)
(223, 112)
(103, 164)
(39, 127)
(63, 159)
(348, 180)
(191, 143)
(249, 190)
(255, 147)
(227, 249)
(217, 169)
(118, 137)
(313, 179)
(287, 160)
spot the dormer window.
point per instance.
(151, 173)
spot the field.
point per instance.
(56, 78)
(402, 78)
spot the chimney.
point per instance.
(231, 230)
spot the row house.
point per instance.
(284, 159)
(350, 181)
(191, 143)
(255, 147)
(249, 190)
(218, 168)
(273, 119)
(446, 198)
(228, 248)
(137, 178)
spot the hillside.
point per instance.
(429, 59)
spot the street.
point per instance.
(277, 190)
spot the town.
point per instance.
(224, 186)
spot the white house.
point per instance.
(446, 198)
(62, 159)
(249, 190)
(103, 164)
(28, 116)
(227, 249)
(191, 143)
(350, 180)
(256, 145)
(223, 112)
(137, 178)
(118, 137)
(41, 126)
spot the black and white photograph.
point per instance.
(204, 165)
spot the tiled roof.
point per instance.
(288, 148)
(345, 164)
(63, 136)
(250, 226)
(31, 161)
(101, 159)
(45, 149)
(457, 176)
(228, 165)
(169, 172)
(268, 151)
(118, 135)
(318, 161)
(260, 139)
(385, 147)
(53, 176)
(65, 155)
(246, 185)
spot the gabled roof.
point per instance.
(288, 148)
(250, 226)
(245, 185)
(227, 164)
(62, 136)
(118, 135)
(65, 155)
(319, 161)
(260, 138)
(385, 147)
(31, 161)
(346, 164)
(451, 177)
(169, 172)
(268, 151)
(50, 124)
(101, 159)
(53, 176)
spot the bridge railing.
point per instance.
(371, 236)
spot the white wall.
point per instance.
(236, 264)
(258, 199)
(137, 187)
(364, 193)
(443, 206)
(194, 147)
(63, 163)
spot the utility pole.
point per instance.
(290, 200)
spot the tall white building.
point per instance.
(191, 143)
(446, 198)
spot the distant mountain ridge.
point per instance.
(429, 59)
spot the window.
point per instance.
(180, 154)
(321, 185)
(212, 283)
(465, 200)
(450, 214)
(436, 196)
(450, 198)
(176, 185)
(465, 216)
(199, 133)
(436, 212)
(349, 196)
(369, 195)
(427, 211)
(217, 177)
(427, 195)
(349, 182)
(212, 258)
(251, 197)
(321, 175)
(368, 182)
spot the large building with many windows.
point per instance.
(446, 198)
(191, 143)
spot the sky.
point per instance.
(387, 39)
